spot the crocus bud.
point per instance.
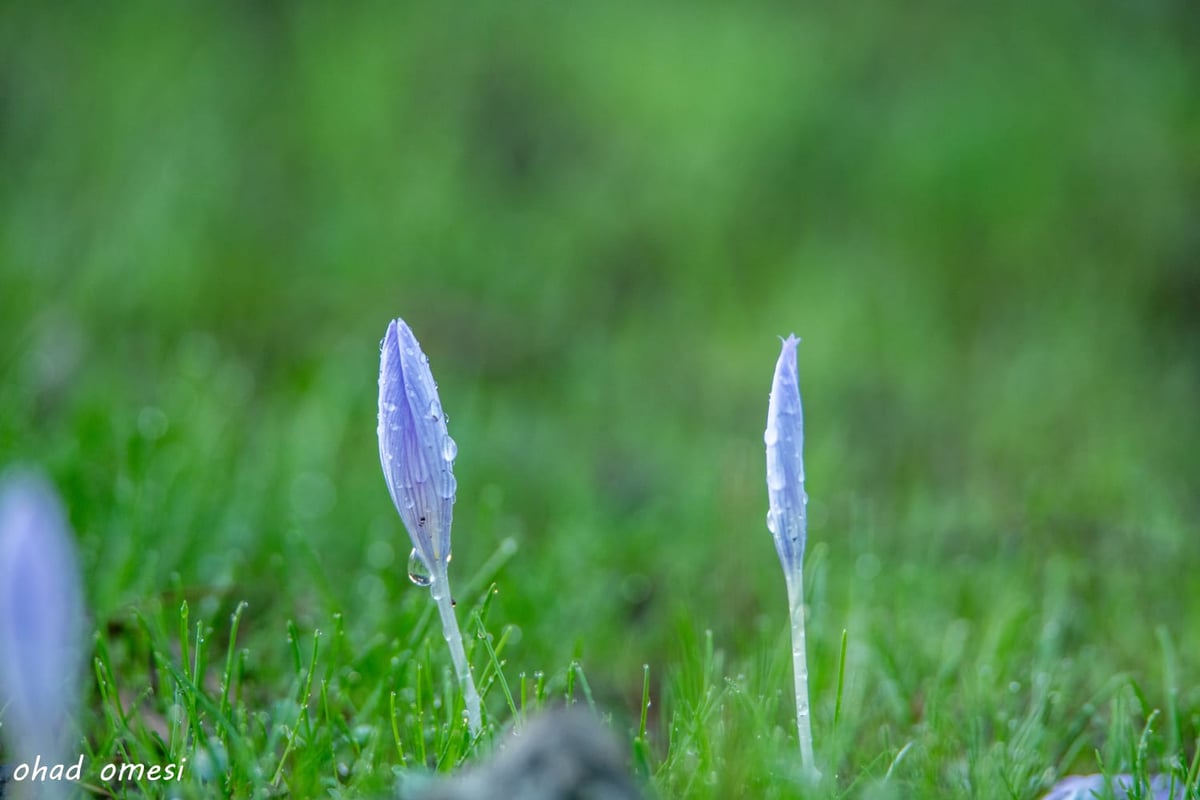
(784, 437)
(417, 454)
(786, 520)
(41, 619)
(1120, 787)
(415, 448)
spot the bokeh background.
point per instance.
(983, 221)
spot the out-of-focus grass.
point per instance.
(982, 222)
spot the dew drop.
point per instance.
(771, 436)
(418, 573)
(772, 525)
(435, 413)
(449, 449)
(449, 486)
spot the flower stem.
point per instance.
(439, 587)
(795, 587)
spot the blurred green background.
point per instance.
(983, 221)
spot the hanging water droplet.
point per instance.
(449, 449)
(418, 573)
(435, 412)
(449, 486)
(772, 525)
(771, 436)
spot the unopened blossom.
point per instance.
(786, 519)
(41, 618)
(1121, 787)
(415, 448)
(418, 454)
(784, 437)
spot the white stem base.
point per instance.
(795, 587)
(439, 587)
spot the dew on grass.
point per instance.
(418, 573)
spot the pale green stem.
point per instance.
(439, 587)
(795, 587)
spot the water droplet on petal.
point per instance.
(418, 573)
(771, 436)
(449, 449)
(435, 412)
(772, 525)
(449, 486)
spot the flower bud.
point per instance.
(415, 449)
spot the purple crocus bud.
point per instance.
(1122, 787)
(784, 437)
(41, 619)
(415, 448)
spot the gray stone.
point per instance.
(565, 754)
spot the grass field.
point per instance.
(983, 224)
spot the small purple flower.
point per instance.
(786, 520)
(784, 437)
(1087, 787)
(41, 617)
(417, 454)
(415, 449)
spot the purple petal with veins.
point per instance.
(415, 448)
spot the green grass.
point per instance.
(597, 221)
